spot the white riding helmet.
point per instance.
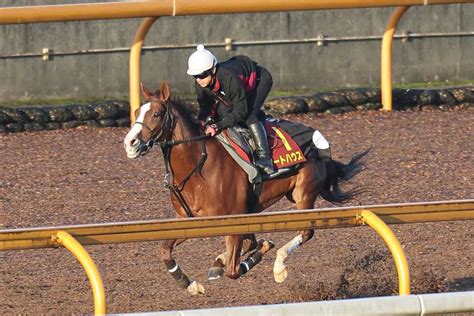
(200, 61)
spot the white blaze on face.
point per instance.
(131, 141)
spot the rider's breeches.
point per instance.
(257, 97)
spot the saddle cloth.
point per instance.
(286, 153)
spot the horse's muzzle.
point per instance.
(137, 148)
(145, 147)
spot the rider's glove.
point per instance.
(211, 130)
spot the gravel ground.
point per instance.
(82, 176)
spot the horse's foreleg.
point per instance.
(249, 244)
(280, 271)
(255, 257)
(235, 268)
(174, 269)
(233, 248)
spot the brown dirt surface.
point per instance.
(82, 176)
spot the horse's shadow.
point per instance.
(462, 284)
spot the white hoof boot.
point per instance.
(195, 288)
(280, 273)
(279, 269)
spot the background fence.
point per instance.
(92, 58)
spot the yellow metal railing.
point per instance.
(65, 239)
(393, 244)
(377, 217)
(338, 217)
(386, 67)
(141, 8)
(135, 54)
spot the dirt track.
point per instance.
(83, 176)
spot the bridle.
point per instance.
(162, 138)
(167, 124)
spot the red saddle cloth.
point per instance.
(284, 150)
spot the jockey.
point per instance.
(232, 93)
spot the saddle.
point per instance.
(286, 153)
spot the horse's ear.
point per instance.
(164, 91)
(146, 93)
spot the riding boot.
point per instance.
(259, 135)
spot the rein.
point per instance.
(182, 141)
(166, 147)
(168, 180)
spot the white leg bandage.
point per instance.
(173, 269)
(292, 245)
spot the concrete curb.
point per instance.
(424, 304)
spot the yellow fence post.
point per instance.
(135, 53)
(65, 239)
(395, 248)
(386, 66)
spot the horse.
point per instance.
(195, 164)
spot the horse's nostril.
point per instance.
(134, 142)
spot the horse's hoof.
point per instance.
(215, 273)
(280, 275)
(267, 245)
(195, 288)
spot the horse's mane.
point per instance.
(186, 113)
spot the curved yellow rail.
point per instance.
(135, 52)
(81, 254)
(391, 240)
(386, 67)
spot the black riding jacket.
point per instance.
(226, 99)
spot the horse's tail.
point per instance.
(337, 171)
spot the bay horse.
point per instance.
(218, 186)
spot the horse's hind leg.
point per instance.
(308, 183)
(280, 271)
(174, 269)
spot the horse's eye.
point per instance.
(157, 114)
